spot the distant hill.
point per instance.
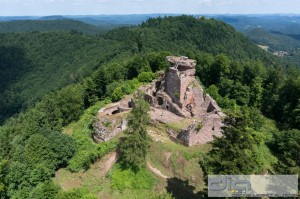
(35, 63)
(281, 23)
(276, 41)
(52, 17)
(48, 24)
(180, 33)
(278, 32)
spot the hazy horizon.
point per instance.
(132, 7)
(195, 14)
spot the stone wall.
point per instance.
(203, 131)
(173, 86)
(112, 109)
(165, 102)
(210, 104)
(198, 100)
(106, 128)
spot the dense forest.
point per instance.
(34, 64)
(48, 80)
(50, 25)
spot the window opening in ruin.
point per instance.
(115, 112)
(167, 107)
(160, 101)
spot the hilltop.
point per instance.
(176, 34)
(54, 83)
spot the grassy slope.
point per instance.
(173, 160)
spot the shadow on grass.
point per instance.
(181, 189)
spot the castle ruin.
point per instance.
(175, 97)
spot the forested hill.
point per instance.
(177, 34)
(50, 25)
(55, 83)
(35, 63)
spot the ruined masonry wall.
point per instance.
(185, 82)
(211, 127)
(173, 86)
(179, 94)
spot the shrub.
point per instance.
(128, 179)
(199, 127)
(146, 77)
(117, 94)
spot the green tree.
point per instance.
(296, 114)
(46, 190)
(287, 147)
(145, 77)
(221, 68)
(256, 93)
(286, 107)
(134, 147)
(272, 85)
(214, 92)
(70, 103)
(241, 93)
(81, 193)
(117, 94)
(226, 86)
(5, 145)
(17, 178)
(37, 150)
(63, 147)
(235, 152)
(90, 92)
(158, 61)
(3, 173)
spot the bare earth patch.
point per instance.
(156, 171)
(69, 181)
(108, 163)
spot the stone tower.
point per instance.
(179, 81)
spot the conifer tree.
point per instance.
(235, 152)
(134, 147)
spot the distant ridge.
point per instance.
(53, 17)
(48, 24)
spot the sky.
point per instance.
(98, 7)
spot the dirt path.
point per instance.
(98, 170)
(156, 171)
(108, 162)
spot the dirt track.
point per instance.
(156, 171)
(108, 162)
